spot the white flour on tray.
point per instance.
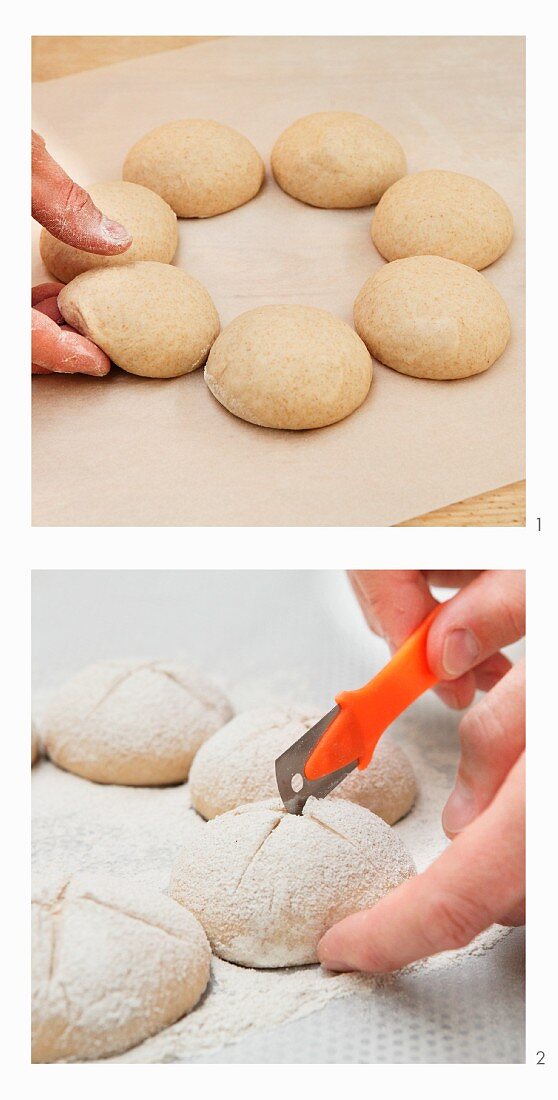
(139, 831)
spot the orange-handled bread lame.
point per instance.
(347, 736)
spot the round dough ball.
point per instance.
(145, 215)
(432, 318)
(289, 367)
(113, 963)
(447, 214)
(237, 766)
(201, 168)
(133, 722)
(151, 319)
(337, 159)
(266, 885)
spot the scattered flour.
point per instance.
(139, 832)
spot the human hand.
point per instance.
(68, 212)
(465, 639)
(480, 879)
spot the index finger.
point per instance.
(67, 211)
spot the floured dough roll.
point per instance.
(113, 962)
(237, 766)
(199, 167)
(432, 318)
(133, 722)
(266, 885)
(337, 159)
(150, 319)
(289, 367)
(145, 215)
(447, 214)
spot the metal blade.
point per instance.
(293, 785)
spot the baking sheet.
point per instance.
(267, 636)
(129, 451)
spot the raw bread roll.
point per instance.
(289, 367)
(150, 319)
(266, 885)
(337, 159)
(432, 318)
(113, 962)
(199, 167)
(133, 722)
(447, 214)
(145, 215)
(237, 766)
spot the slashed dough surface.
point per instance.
(113, 962)
(266, 885)
(237, 766)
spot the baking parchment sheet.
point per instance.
(267, 636)
(132, 451)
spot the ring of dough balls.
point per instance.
(150, 221)
(237, 766)
(432, 318)
(200, 167)
(151, 319)
(337, 159)
(267, 885)
(438, 213)
(289, 367)
(133, 722)
(113, 962)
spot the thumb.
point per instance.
(478, 880)
(67, 211)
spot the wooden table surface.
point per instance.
(56, 56)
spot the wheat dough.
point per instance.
(113, 962)
(289, 367)
(337, 159)
(145, 215)
(446, 214)
(432, 318)
(237, 766)
(151, 319)
(132, 722)
(266, 885)
(200, 167)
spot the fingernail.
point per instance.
(331, 962)
(460, 808)
(461, 650)
(114, 231)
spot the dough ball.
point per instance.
(237, 766)
(439, 213)
(337, 159)
(432, 318)
(199, 167)
(113, 963)
(133, 722)
(150, 319)
(289, 367)
(267, 885)
(151, 222)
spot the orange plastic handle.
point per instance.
(367, 712)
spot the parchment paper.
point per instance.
(129, 451)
